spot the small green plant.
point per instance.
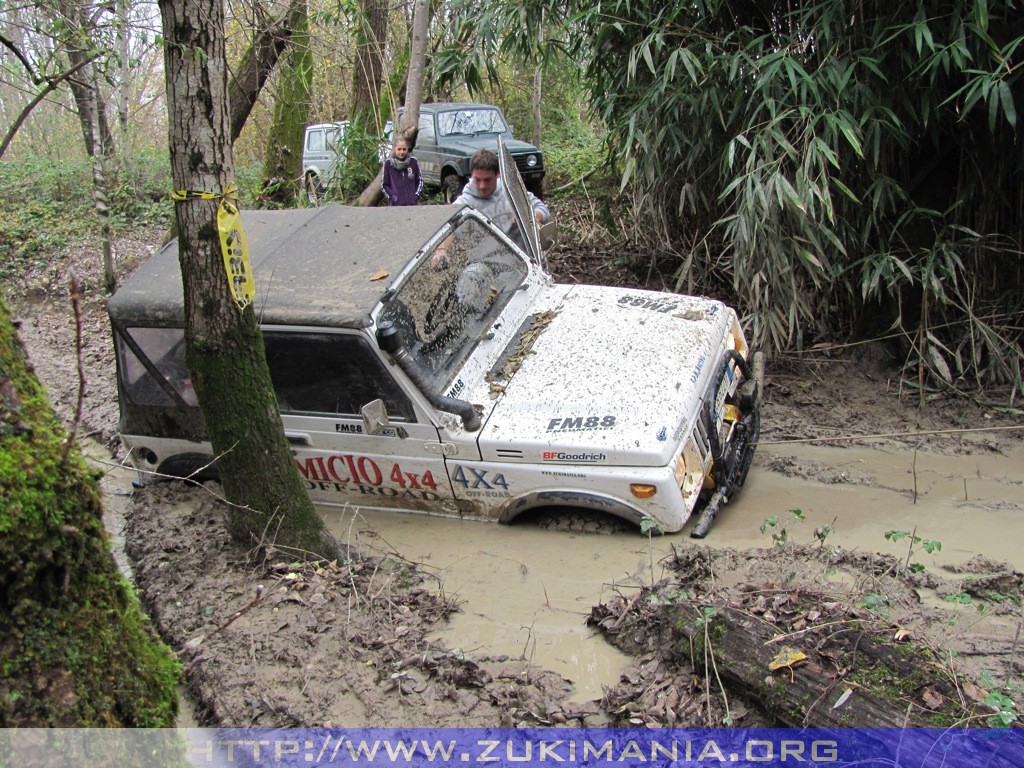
(707, 613)
(915, 544)
(999, 597)
(669, 598)
(875, 603)
(960, 598)
(1006, 710)
(780, 534)
(822, 532)
(650, 526)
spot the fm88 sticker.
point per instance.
(580, 423)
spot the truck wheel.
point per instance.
(314, 189)
(536, 186)
(571, 520)
(452, 186)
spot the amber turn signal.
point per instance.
(642, 490)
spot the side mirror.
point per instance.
(375, 417)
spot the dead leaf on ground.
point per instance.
(787, 658)
(933, 699)
(379, 275)
(973, 692)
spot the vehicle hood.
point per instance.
(470, 144)
(603, 376)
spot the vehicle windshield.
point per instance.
(470, 121)
(453, 298)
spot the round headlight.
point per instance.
(531, 160)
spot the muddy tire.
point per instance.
(570, 520)
(452, 186)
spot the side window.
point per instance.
(426, 129)
(315, 141)
(330, 373)
(334, 140)
(165, 349)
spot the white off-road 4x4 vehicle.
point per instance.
(424, 362)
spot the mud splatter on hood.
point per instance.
(614, 376)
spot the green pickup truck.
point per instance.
(449, 133)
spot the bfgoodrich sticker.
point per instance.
(566, 456)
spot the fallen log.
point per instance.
(844, 670)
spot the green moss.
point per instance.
(899, 688)
(75, 648)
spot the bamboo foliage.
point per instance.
(846, 160)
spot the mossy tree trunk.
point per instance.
(75, 648)
(371, 35)
(258, 62)
(282, 167)
(224, 347)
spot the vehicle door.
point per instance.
(426, 151)
(315, 153)
(516, 191)
(323, 378)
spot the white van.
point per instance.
(322, 150)
(423, 362)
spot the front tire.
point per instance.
(452, 186)
(314, 189)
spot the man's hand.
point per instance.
(539, 217)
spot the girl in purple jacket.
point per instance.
(402, 182)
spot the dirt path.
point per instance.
(266, 643)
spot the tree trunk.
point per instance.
(258, 64)
(371, 40)
(537, 81)
(77, 35)
(417, 63)
(99, 191)
(75, 648)
(124, 67)
(373, 193)
(282, 166)
(224, 347)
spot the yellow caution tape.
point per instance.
(233, 246)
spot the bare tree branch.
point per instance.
(51, 86)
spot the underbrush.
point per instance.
(49, 205)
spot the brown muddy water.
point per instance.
(527, 592)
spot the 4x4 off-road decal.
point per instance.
(480, 482)
(644, 302)
(345, 472)
(580, 423)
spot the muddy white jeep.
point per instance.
(424, 362)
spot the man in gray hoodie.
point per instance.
(486, 193)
